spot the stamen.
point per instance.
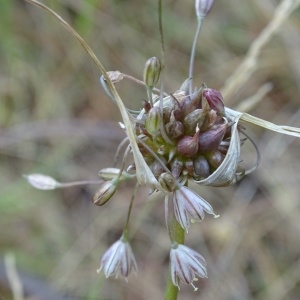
(195, 288)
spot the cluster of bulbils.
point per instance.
(190, 135)
(182, 136)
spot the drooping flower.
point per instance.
(186, 265)
(203, 7)
(118, 258)
(152, 71)
(189, 206)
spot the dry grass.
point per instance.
(56, 119)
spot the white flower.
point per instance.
(186, 265)
(203, 7)
(42, 182)
(189, 206)
(118, 258)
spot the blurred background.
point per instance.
(55, 119)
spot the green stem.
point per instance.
(126, 227)
(177, 234)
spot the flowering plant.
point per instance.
(177, 137)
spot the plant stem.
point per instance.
(193, 52)
(177, 234)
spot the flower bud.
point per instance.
(210, 139)
(167, 182)
(42, 182)
(203, 7)
(153, 121)
(214, 99)
(111, 173)
(174, 129)
(105, 192)
(201, 167)
(188, 145)
(152, 71)
(215, 158)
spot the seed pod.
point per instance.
(105, 192)
(210, 139)
(201, 167)
(176, 167)
(188, 145)
(152, 71)
(167, 182)
(153, 121)
(215, 158)
(174, 128)
(215, 100)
